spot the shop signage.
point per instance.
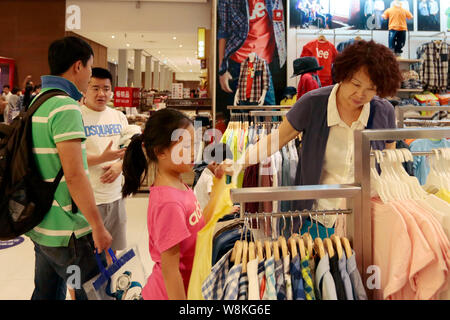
(126, 97)
(11, 243)
(73, 19)
(201, 38)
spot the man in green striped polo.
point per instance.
(66, 237)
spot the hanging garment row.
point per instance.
(277, 170)
(297, 267)
(417, 219)
(434, 71)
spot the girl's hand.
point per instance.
(224, 167)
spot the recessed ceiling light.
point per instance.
(128, 44)
(181, 46)
(159, 52)
(113, 36)
(174, 38)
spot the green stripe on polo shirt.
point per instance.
(58, 119)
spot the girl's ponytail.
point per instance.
(135, 167)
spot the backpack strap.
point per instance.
(35, 104)
(41, 98)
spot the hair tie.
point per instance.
(138, 136)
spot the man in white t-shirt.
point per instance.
(6, 92)
(103, 127)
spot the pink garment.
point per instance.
(433, 278)
(392, 249)
(423, 260)
(174, 217)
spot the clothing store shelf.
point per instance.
(256, 107)
(408, 60)
(400, 112)
(410, 90)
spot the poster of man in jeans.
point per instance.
(244, 27)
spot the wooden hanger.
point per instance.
(319, 248)
(276, 250)
(347, 247)
(267, 247)
(283, 245)
(329, 247)
(301, 247)
(259, 250)
(244, 255)
(308, 241)
(293, 246)
(233, 252)
(337, 245)
(251, 251)
(238, 257)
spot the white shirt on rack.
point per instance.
(338, 164)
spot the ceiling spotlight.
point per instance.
(128, 44)
(181, 46)
(159, 52)
(174, 38)
(113, 36)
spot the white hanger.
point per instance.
(444, 167)
(379, 183)
(388, 177)
(415, 187)
(434, 179)
(395, 161)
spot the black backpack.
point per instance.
(25, 196)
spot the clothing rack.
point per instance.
(439, 35)
(337, 34)
(400, 111)
(256, 108)
(261, 114)
(264, 194)
(363, 218)
(359, 223)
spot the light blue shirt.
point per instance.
(434, 8)
(423, 9)
(421, 164)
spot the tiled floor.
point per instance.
(17, 263)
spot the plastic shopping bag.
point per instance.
(122, 280)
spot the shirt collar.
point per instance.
(333, 117)
(63, 84)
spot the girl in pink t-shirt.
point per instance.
(174, 216)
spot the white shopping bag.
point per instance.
(122, 280)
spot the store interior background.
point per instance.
(29, 26)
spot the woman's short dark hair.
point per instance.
(382, 66)
(63, 53)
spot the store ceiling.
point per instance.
(149, 25)
(162, 46)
